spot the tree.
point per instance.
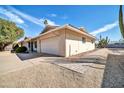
(121, 23)
(103, 42)
(45, 22)
(9, 32)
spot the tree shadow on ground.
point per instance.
(113, 76)
(26, 56)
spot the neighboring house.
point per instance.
(116, 45)
(8, 48)
(64, 41)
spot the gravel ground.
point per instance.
(95, 69)
(41, 73)
(114, 72)
(46, 75)
(94, 61)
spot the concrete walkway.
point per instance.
(10, 62)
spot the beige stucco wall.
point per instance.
(74, 44)
(38, 45)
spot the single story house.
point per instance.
(63, 40)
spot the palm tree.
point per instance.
(103, 42)
(121, 23)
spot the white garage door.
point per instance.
(50, 45)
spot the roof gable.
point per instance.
(48, 28)
(81, 31)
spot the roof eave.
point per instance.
(78, 31)
(63, 27)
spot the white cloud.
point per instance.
(59, 16)
(30, 18)
(64, 17)
(105, 28)
(11, 16)
(53, 15)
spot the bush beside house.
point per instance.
(15, 46)
(22, 49)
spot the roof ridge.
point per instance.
(47, 28)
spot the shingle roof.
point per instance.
(81, 29)
(47, 28)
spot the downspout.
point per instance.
(40, 45)
(65, 43)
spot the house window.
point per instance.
(92, 41)
(35, 44)
(83, 39)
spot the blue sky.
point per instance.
(97, 20)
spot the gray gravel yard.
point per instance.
(114, 72)
(46, 75)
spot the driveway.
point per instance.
(27, 56)
(10, 62)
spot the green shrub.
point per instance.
(15, 46)
(21, 49)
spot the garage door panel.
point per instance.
(50, 45)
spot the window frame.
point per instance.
(83, 40)
(92, 41)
